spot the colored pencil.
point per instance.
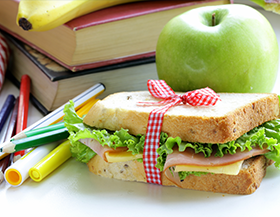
(4, 164)
(5, 129)
(84, 98)
(57, 115)
(38, 131)
(3, 133)
(6, 110)
(23, 107)
(81, 112)
(85, 109)
(10, 128)
(12, 123)
(6, 116)
(34, 141)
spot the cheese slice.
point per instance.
(231, 169)
(121, 156)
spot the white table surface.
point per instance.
(72, 190)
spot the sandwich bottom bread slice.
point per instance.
(223, 148)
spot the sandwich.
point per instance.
(224, 148)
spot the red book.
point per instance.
(113, 35)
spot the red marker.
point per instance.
(23, 107)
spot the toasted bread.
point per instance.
(246, 182)
(230, 118)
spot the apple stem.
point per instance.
(213, 19)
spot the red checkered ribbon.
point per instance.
(159, 89)
(4, 57)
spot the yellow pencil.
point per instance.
(82, 103)
(85, 109)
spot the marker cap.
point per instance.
(17, 173)
(13, 177)
(50, 162)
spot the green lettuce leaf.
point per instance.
(71, 120)
(120, 138)
(265, 136)
(184, 174)
(165, 149)
(78, 130)
(75, 124)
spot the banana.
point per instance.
(43, 15)
(269, 5)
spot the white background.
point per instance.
(72, 190)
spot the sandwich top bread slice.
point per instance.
(230, 118)
(223, 148)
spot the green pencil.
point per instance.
(33, 141)
(38, 131)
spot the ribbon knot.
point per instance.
(159, 89)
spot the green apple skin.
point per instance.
(239, 53)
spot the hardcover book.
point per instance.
(52, 85)
(113, 35)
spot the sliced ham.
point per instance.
(189, 157)
(99, 149)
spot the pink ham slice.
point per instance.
(99, 149)
(189, 157)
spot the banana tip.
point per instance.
(24, 24)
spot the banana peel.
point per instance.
(269, 5)
(43, 15)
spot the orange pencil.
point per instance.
(23, 107)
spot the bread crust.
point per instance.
(193, 124)
(246, 182)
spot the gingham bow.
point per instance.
(159, 89)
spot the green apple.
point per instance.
(229, 48)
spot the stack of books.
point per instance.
(114, 46)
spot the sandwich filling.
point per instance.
(177, 158)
